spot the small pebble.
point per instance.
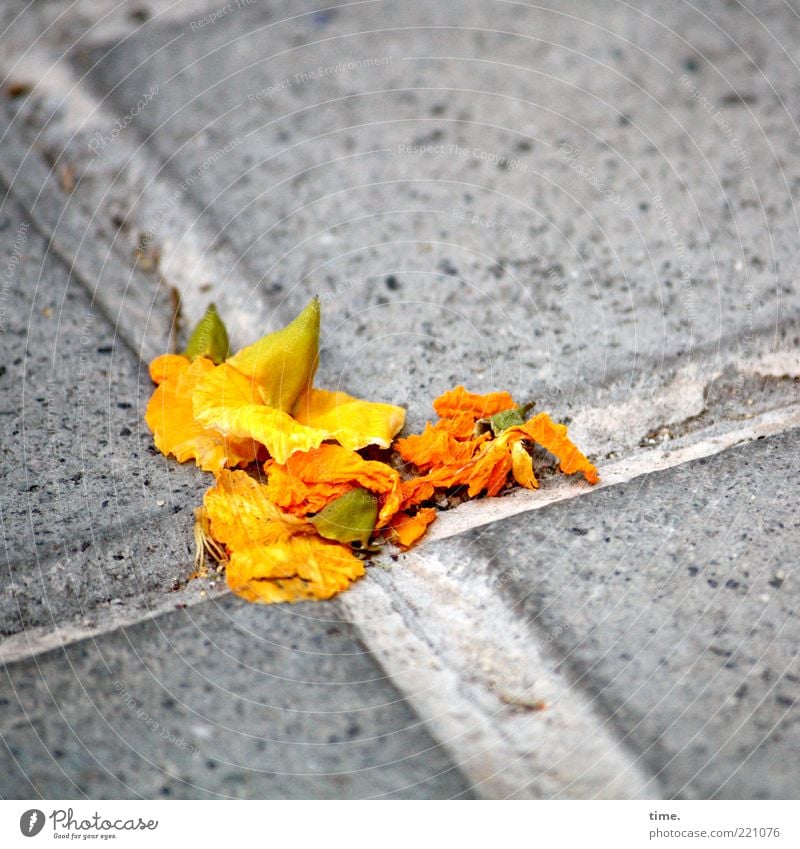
(160, 503)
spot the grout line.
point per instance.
(485, 685)
(35, 641)
(479, 677)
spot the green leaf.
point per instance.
(509, 418)
(349, 518)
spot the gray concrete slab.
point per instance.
(90, 511)
(219, 700)
(591, 208)
(672, 603)
(497, 194)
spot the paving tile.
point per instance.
(540, 204)
(671, 601)
(223, 699)
(85, 494)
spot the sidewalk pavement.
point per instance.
(593, 209)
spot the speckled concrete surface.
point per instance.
(540, 201)
(222, 700)
(672, 601)
(590, 205)
(91, 513)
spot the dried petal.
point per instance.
(302, 568)
(406, 530)
(436, 447)
(274, 557)
(489, 470)
(308, 481)
(225, 400)
(522, 466)
(169, 415)
(543, 430)
(351, 422)
(458, 401)
(168, 367)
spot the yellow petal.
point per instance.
(169, 416)
(274, 557)
(522, 466)
(241, 514)
(351, 422)
(283, 364)
(303, 568)
(225, 400)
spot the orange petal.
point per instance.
(406, 529)
(170, 417)
(168, 367)
(351, 422)
(522, 466)
(542, 429)
(417, 490)
(489, 470)
(458, 401)
(309, 481)
(461, 426)
(241, 513)
(435, 447)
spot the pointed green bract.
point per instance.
(349, 518)
(209, 338)
(283, 364)
(508, 418)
